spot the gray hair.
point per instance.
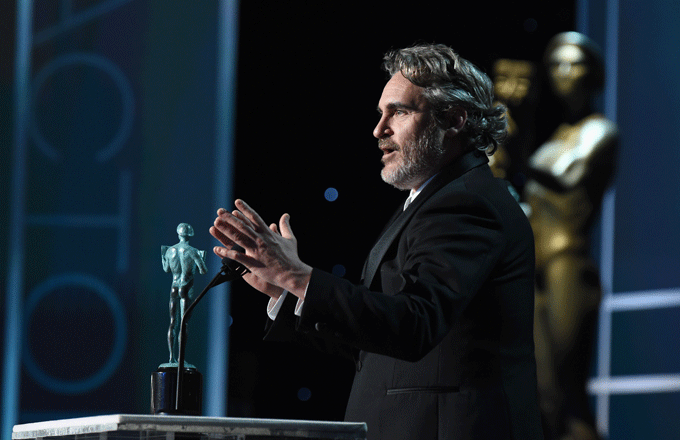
(452, 81)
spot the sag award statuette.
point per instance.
(183, 261)
(177, 386)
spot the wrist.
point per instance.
(297, 282)
(275, 293)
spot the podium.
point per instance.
(162, 427)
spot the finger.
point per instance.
(284, 225)
(236, 229)
(221, 237)
(237, 256)
(250, 213)
(218, 250)
(229, 244)
(274, 228)
(238, 214)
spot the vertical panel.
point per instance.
(115, 144)
(638, 373)
(219, 318)
(15, 270)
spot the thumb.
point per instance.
(284, 226)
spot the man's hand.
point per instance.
(270, 252)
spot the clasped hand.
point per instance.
(270, 251)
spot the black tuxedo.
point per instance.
(442, 327)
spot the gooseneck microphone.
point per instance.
(230, 271)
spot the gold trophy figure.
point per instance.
(516, 86)
(568, 177)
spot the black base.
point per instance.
(164, 388)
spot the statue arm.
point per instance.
(166, 266)
(200, 262)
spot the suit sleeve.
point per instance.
(432, 271)
(286, 328)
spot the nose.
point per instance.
(382, 129)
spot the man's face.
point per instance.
(407, 134)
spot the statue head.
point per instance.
(184, 230)
(574, 63)
(513, 80)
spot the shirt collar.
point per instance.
(415, 192)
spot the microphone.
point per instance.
(229, 271)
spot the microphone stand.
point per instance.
(230, 271)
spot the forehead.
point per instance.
(401, 91)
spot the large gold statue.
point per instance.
(568, 177)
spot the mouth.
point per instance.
(389, 149)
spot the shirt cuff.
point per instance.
(274, 305)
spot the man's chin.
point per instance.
(396, 181)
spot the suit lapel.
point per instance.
(397, 214)
(400, 219)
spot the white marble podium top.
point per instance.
(214, 427)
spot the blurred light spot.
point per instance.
(304, 394)
(339, 270)
(231, 320)
(331, 194)
(530, 25)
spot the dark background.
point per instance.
(308, 82)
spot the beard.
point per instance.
(418, 162)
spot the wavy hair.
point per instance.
(452, 81)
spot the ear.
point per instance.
(456, 118)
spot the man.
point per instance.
(441, 326)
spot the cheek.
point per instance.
(407, 137)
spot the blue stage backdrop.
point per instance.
(115, 142)
(636, 383)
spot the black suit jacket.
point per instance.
(442, 326)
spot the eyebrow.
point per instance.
(396, 105)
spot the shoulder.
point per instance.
(477, 187)
(476, 197)
(599, 129)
